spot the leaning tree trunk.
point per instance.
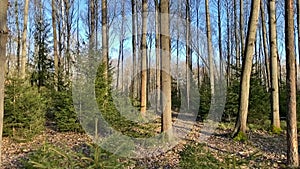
(3, 40)
(292, 143)
(241, 122)
(24, 37)
(274, 66)
(165, 64)
(144, 59)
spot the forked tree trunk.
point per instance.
(24, 37)
(3, 41)
(274, 66)
(241, 122)
(144, 58)
(292, 141)
(165, 63)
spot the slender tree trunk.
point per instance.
(144, 59)
(188, 54)
(242, 27)
(238, 59)
(210, 53)
(292, 141)
(165, 63)
(228, 46)
(56, 68)
(24, 37)
(18, 35)
(220, 35)
(264, 30)
(157, 53)
(134, 31)
(105, 49)
(3, 41)
(241, 122)
(274, 66)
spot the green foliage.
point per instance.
(276, 130)
(43, 64)
(50, 156)
(196, 156)
(61, 111)
(205, 98)
(241, 136)
(24, 109)
(259, 101)
(112, 115)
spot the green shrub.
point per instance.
(50, 156)
(241, 136)
(196, 156)
(24, 111)
(62, 112)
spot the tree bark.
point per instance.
(292, 141)
(210, 54)
(3, 41)
(55, 44)
(158, 57)
(265, 45)
(105, 49)
(144, 59)
(165, 63)
(236, 34)
(242, 27)
(134, 31)
(274, 66)
(188, 54)
(24, 37)
(241, 122)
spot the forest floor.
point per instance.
(261, 150)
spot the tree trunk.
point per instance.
(241, 122)
(3, 41)
(18, 35)
(220, 36)
(24, 37)
(274, 66)
(188, 54)
(228, 71)
(134, 31)
(238, 58)
(55, 44)
(265, 45)
(165, 63)
(157, 53)
(105, 38)
(292, 143)
(210, 53)
(144, 59)
(242, 27)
